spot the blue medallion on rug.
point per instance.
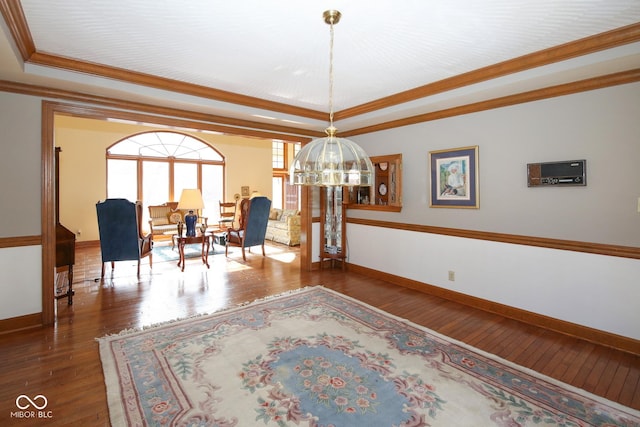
(335, 382)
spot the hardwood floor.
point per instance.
(62, 362)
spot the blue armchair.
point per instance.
(254, 215)
(121, 238)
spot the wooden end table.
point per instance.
(203, 238)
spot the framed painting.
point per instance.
(245, 191)
(454, 178)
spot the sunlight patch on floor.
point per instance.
(236, 266)
(284, 257)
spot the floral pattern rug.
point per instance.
(317, 358)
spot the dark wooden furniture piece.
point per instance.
(65, 240)
(386, 192)
(182, 240)
(121, 238)
(254, 215)
(227, 214)
(332, 226)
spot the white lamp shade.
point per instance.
(191, 199)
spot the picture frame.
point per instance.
(244, 190)
(454, 178)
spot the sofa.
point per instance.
(164, 219)
(284, 226)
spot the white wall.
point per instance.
(597, 291)
(601, 292)
(21, 289)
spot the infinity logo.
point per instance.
(30, 402)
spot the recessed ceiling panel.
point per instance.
(279, 50)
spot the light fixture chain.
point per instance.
(331, 77)
(331, 161)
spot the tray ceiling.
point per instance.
(269, 61)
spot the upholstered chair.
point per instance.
(121, 237)
(254, 214)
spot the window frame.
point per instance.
(275, 153)
(170, 160)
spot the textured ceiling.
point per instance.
(278, 51)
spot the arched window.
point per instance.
(155, 167)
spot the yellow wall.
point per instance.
(83, 166)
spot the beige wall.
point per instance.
(20, 176)
(83, 166)
(601, 126)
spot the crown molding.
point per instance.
(598, 42)
(129, 76)
(205, 121)
(14, 16)
(599, 82)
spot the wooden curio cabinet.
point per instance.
(65, 241)
(332, 225)
(386, 192)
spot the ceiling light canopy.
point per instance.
(331, 161)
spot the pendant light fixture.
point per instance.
(331, 161)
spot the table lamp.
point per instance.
(191, 200)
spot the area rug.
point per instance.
(317, 358)
(167, 253)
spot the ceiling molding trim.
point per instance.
(179, 124)
(614, 79)
(242, 127)
(587, 45)
(234, 126)
(14, 16)
(17, 23)
(49, 60)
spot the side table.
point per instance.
(203, 238)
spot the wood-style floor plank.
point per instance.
(62, 362)
(631, 388)
(576, 355)
(617, 382)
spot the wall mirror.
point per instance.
(386, 192)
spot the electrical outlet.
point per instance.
(638, 204)
(452, 276)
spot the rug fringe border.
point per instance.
(145, 328)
